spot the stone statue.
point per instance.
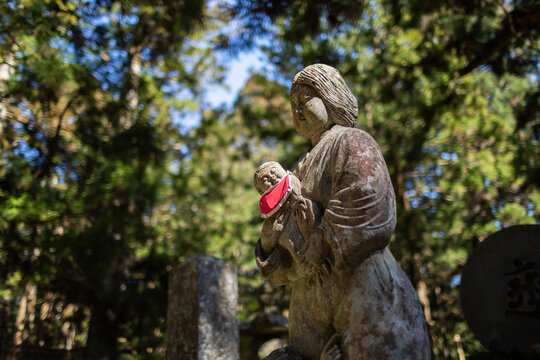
(325, 233)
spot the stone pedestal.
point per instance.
(202, 322)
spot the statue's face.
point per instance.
(310, 117)
(269, 178)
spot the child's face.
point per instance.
(269, 177)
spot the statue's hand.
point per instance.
(304, 217)
(269, 241)
(300, 208)
(312, 256)
(332, 350)
(271, 230)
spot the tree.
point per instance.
(450, 92)
(103, 187)
(87, 92)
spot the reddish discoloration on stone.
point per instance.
(366, 297)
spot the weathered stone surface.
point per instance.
(350, 299)
(500, 291)
(269, 346)
(202, 321)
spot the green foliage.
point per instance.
(103, 187)
(87, 143)
(442, 89)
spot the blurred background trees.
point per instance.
(106, 182)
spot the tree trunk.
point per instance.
(101, 344)
(26, 314)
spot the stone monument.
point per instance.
(202, 311)
(326, 228)
(500, 291)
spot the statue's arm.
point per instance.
(360, 215)
(273, 266)
(271, 230)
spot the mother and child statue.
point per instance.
(326, 228)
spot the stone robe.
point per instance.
(367, 298)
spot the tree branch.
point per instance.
(519, 23)
(52, 143)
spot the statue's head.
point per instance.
(268, 175)
(319, 99)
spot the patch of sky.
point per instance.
(184, 150)
(26, 113)
(431, 194)
(19, 126)
(184, 120)
(87, 31)
(498, 224)
(456, 280)
(184, 117)
(240, 69)
(145, 54)
(449, 156)
(130, 19)
(342, 51)
(28, 153)
(100, 20)
(409, 184)
(60, 172)
(530, 208)
(271, 142)
(485, 68)
(68, 49)
(175, 166)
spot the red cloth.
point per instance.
(274, 197)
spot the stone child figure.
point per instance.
(289, 201)
(282, 200)
(364, 307)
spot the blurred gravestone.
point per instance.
(500, 291)
(202, 321)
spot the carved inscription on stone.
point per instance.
(500, 291)
(523, 295)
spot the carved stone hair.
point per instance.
(330, 86)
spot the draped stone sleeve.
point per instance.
(360, 216)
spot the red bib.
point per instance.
(275, 197)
